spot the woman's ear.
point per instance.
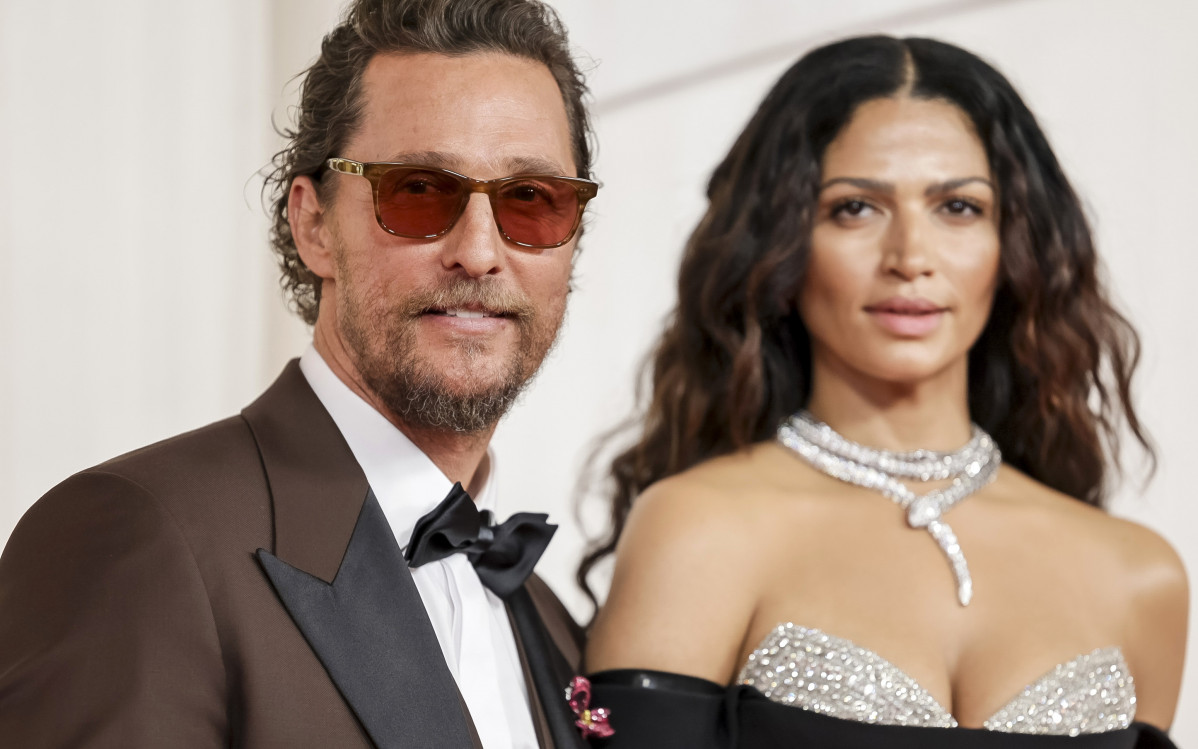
(306, 214)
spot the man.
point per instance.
(248, 584)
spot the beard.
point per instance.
(382, 337)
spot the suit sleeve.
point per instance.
(107, 637)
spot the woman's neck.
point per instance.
(931, 414)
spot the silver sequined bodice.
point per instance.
(815, 671)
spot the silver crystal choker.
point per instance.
(970, 468)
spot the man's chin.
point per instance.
(466, 382)
(459, 400)
(472, 411)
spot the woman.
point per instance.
(891, 255)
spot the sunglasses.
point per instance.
(422, 202)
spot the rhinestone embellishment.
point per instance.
(1092, 693)
(970, 468)
(806, 668)
(824, 674)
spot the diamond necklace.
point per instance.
(970, 468)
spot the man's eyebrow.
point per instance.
(887, 187)
(438, 159)
(505, 166)
(533, 165)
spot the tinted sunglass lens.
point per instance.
(418, 202)
(538, 211)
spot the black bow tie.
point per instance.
(503, 555)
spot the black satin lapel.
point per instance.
(535, 707)
(550, 671)
(370, 630)
(477, 743)
(316, 484)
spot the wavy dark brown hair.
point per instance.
(330, 107)
(1049, 377)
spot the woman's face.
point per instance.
(904, 253)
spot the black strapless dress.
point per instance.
(655, 710)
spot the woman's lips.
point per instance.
(907, 318)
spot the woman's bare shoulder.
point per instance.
(760, 471)
(1151, 562)
(693, 513)
(1145, 575)
(687, 543)
(1139, 550)
(1157, 590)
(731, 497)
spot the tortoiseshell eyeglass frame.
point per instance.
(373, 171)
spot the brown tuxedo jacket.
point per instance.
(238, 586)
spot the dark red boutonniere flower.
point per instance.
(592, 721)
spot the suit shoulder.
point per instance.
(96, 537)
(217, 465)
(85, 504)
(207, 485)
(100, 588)
(218, 442)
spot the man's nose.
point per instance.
(474, 244)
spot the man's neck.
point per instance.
(461, 456)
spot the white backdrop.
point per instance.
(146, 303)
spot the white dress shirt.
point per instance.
(471, 622)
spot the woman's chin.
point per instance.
(910, 370)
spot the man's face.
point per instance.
(406, 310)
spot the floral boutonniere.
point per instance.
(592, 721)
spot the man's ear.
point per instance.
(307, 217)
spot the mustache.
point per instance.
(489, 296)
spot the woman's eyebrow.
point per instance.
(861, 182)
(888, 187)
(953, 184)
